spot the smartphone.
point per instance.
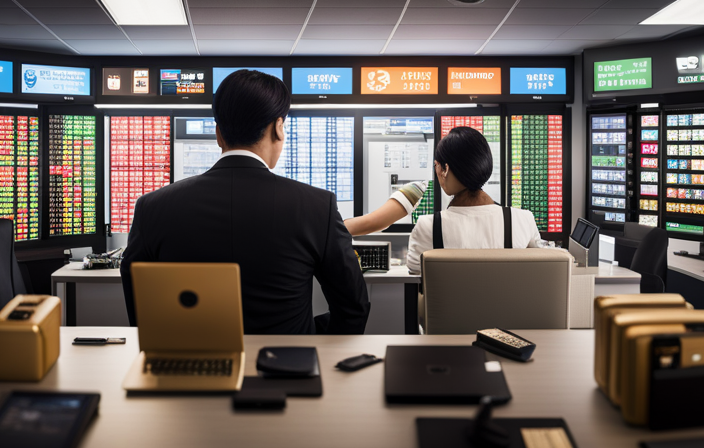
(98, 341)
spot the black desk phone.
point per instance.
(504, 343)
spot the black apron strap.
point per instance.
(508, 232)
(437, 232)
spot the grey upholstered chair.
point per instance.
(466, 290)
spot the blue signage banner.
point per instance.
(53, 80)
(538, 81)
(322, 81)
(5, 77)
(220, 73)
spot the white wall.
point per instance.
(579, 150)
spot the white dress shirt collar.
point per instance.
(243, 152)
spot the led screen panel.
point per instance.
(321, 81)
(72, 193)
(625, 74)
(474, 81)
(140, 162)
(182, 81)
(538, 81)
(220, 73)
(6, 77)
(126, 82)
(19, 174)
(54, 80)
(399, 80)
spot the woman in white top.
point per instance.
(463, 164)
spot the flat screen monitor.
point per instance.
(321, 81)
(120, 81)
(220, 73)
(584, 232)
(182, 81)
(6, 77)
(55, 80)
(195, 147)
(538, 81)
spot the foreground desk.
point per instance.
(352, 412)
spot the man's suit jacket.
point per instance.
(280, 231)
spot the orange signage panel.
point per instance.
(399, 80)
(474, 81)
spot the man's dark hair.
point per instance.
(468, 154)
(246, 102)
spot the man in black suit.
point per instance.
(280, 231)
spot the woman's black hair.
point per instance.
(468, 155)
(246, 102)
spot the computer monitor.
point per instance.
(584, 232)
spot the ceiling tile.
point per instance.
(352, 16)
(339, 47)
(653, 31)
(445, 4)
(530, 32)
(587, 32)
(249, 3)
(102, 47)
(567, 46)
(657, 4)
(525, 46)
(158, 32)
(71, 16)
(347, 31)
(360, 3)
(586, 4)
(446, 32)
(618, 16)
(166, 47)
(248, 16)
(452, 16)
(53, 46)
(64, 3)
(245, 47)
(218, 32)
(435, 47)
(528, 16)
(29, 32)
(15, 16)
(102, 32)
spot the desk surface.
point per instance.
(684, 265)
(352, 411)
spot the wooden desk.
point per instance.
(352, 412)
(684, 265)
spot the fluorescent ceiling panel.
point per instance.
(146, 12)
(682, 12)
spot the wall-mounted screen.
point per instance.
(625, 74)
(19, 174)
(538, 81)
(6, 77)
(321, 81)
(649, 121)
(181, 81)
(220, 73)
(474, 81)
(126, 81)
(195, 147)
(53, 80)
(399, 80)
(648, 148)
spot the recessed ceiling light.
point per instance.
(146, 12)
(681, 12)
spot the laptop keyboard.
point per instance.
(192, 367)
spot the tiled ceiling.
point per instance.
(337, 27)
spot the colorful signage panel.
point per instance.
(5, 77)
(126, 81)
(321, 81)
(625, 74)
(181, 81)
(538, 81)
(220, 73)
(399, 80)
(54, 80)
(474, 81)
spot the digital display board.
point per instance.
(220, 73)
(321, 81)
(625, 74)
(19, 174)
(182, 81)
(126, 81)
(140, 162)
(474, 81)
(538, 81)
(536, 168)
(399, 80)
(72, 171)
(53, 80)
(319, 151)
(196, 149)
(6, 77)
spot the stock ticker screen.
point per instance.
(536, 168)
(19, 174)
(140, 162)
(72, 182)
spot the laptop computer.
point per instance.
(190, 328)
(443, 374)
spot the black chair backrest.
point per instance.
(11, 282)
(650, 260)
(625, 245)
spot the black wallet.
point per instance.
(288, 362)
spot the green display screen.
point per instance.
(684, 228)
(626, 74)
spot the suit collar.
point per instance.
(235, 161)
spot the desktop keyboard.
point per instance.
(194, 367)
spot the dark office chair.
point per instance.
(11, 282)
(650, 261)
(625, 246)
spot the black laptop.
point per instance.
(456, 374)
